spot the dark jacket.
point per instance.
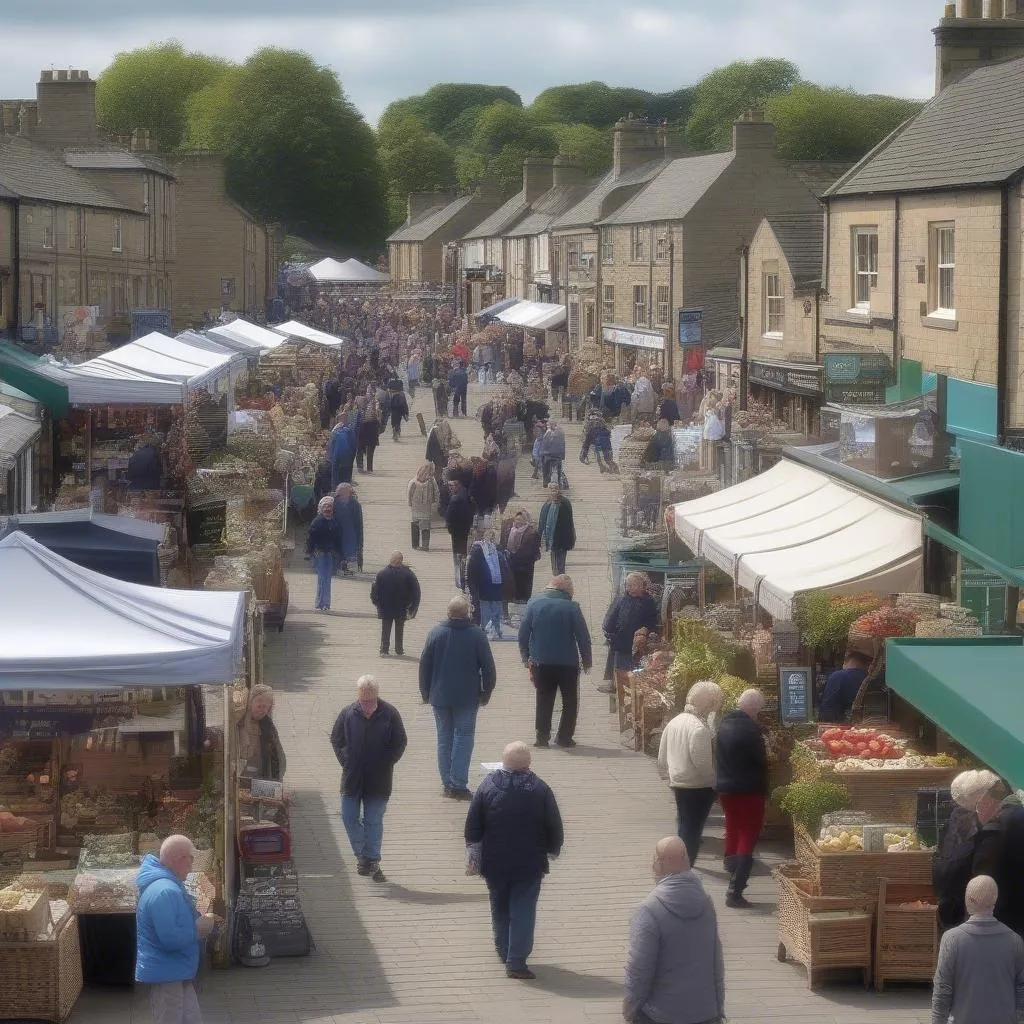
(515, 818)
(399, 407)
(368, 749)
(483, 489)
(660, 447)
(458, 516)
(272, 759)
(479, 576)
(322, 536)
(144, 469)
(626, 615)
(348, 525)
(741, 760)
(458, 380)
(322, 481)
(610, 402)
(529, 547)
(953, 863)
(565, 528)
(435, 453)
(599, 437)
(999, 852)
(395, 592)
(669, 410)
(841, 689)
(456, 666)
(554, 631)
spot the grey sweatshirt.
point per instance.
(980, 974)
(674, 968)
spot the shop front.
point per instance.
(628, 345)
(793, 392)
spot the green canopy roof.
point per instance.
(973, 689)
(21, 369)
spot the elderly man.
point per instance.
(168, 932)
(348, 525)
(979, 978)
(395, 594)
(369, 740)
(512, 828)
(554, 643)
(457, 675)
(557, 527)
(674, 968)
(741, 781)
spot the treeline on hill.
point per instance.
(298, 152)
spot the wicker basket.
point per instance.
(907, 938)
(29, 920)
(42, 980)
(925, 605)
(856, 873)
(890, 794)
(822, 932)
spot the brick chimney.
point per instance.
(567, 171)
(67, 109)
(974, 33)
(420, 202)
(636, 141)
(28, 118)
(752, 132)
(538, 177)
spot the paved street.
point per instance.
(418, 949)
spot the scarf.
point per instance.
(515, 537)
(493, 563)
(552, 521)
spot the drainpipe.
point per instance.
(16, 266)
(670, 353)
(745, 325)
(1003, 337)
(897, 209)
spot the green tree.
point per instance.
(413, 160)
(815, 123)
(590, 103)
(448, 109)
(505, 135)
(590, 146)
(722, 96)
(150, 88)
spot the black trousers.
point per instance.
(550, 680)
(385, 634)
(458, 400)
(692, 808)
(558, 561)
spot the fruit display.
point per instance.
(885, 622)
(909, 759)
(824, 621)
(861, 744)
(843, 841)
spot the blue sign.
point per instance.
(691, 327)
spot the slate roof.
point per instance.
(801, 237)
(971, 133)
(588, 210)
(115, 158)
(30, 172)
(676, 189)
(818, 175)
(432, 221)
(503, 218)
(548, 208)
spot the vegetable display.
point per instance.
(809, 800)
(863, 744)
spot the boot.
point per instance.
(742, 865)
(424, 540)
(415, 535)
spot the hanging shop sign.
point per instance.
(796, 378)
(691, 327)
(634, 339)
(857, 378)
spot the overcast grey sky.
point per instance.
(385, 49)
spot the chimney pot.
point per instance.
(28, 119)
(45, 76)
(752, 132)
(62, 75)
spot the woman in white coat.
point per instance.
(424, 495)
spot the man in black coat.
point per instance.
(998, 852)
(395, 594)
(557, 528)
(512, 828)
(458, 385)
(369, 740)
(458, 518)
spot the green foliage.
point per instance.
(413, 160)
(150, 88)
(504, 136)
(732, 687)
(808, 801)
(824, 621)
(444, 104)
(600, 106)
(701, 653)
(723, 95)
(812, 123)
(590, 146)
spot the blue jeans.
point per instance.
(490, 611)
(323, 562)
(455, 730)
(365, 833)
(513, 917)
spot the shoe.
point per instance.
(538, 742)
(376, 875)
(565, 743)
(462, 794)
(605, 687)
(520, 973)
(737, 901)
(399, 652)
(384, 653)
(363, 866)
(501, 956)
(448, 791)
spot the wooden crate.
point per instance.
(823, 933)
(891, 794)
(42, 980)
(906, 939)
(856, 873)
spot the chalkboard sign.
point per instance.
(934, 807)
(795, 703)
(268, 915)
(206, 523)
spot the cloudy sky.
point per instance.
(386, 49)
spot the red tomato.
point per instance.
(832, 734)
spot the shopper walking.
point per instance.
(675, 972)
(487, 573)
(520, 540)
(457, 676)
(369, 740)
(999, 852)
(323, 548)
(399, 412)
(348, 524)
(412, 371)
(369, 436)
(341, 453)
(557, 528)
(554, 643)
(630, 612)
(424, 497)
(395, 594)
(686, 754)
(458, 385)
(979, 978)
(512, 829)
(552, 454)
(458, 517)
(439, 387)
(483, 491)
(169, 931)
(741, 781)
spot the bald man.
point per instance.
(674, 968)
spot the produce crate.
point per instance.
(29, 919)
(42, 980)
(822, 932)
(856, 873)
(891, 794)
(906, 938)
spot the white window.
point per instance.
(943, 284)
(638, 243)
(49, 234)
(573, 250)
(640, 314)
(72, 228)
(118, 238)
(865, 265)
(608, 303)
(661, 304)
(774, 305)
(607, 249)
(661, 245)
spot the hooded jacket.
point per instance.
(167, 943)
(456, 666)
(554, 631)
(674, 967)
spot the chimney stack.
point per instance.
(28, 119)
(973, 34)
(636, 142)
(567, 171)
(420, 202)
(66, 100)
(538, 177)
(752, 132)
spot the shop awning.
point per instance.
(17, 432)
(972, 689)
(40, 378)
(491, 312)
(792, 529)
(537, 316)
(248, 335)
(69, 628)
(300, 332)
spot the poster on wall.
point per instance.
(691, 327)
(76, 322)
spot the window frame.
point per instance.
(607, 249)
(773, 318)
(859, 305)
(662, 244)
(49, 216)
(116, 233)
(608, 303)
(641, 306)
(638, 243)
(936, 307)
(662, 305)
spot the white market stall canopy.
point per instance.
(300, 332)
(247, 336)
(539, 316)
(347, 272)
(63, 627)
(792, 529)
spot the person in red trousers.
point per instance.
(741, 782)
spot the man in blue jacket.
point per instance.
(168, 933)
(341, 453)
(554, 642)
(458, 385)
(457, 675)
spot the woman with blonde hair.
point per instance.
(424, 496)
(686, 754)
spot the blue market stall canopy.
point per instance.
(63, 627)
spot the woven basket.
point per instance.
(890, 794)
(42, 980)
(947, 628)
(925, 605)
(907, 938)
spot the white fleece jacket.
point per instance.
(686, 754)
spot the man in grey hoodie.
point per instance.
(980, 974)
(674, 968)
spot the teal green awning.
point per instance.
(19, 368)
(1012, 575)
(972, 689)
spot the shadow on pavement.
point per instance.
(405, 895)
(583, 750)
(564, 982)
(293, 658)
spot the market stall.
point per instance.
(248, 335)
(295, 331)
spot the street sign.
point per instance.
(691, 327)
